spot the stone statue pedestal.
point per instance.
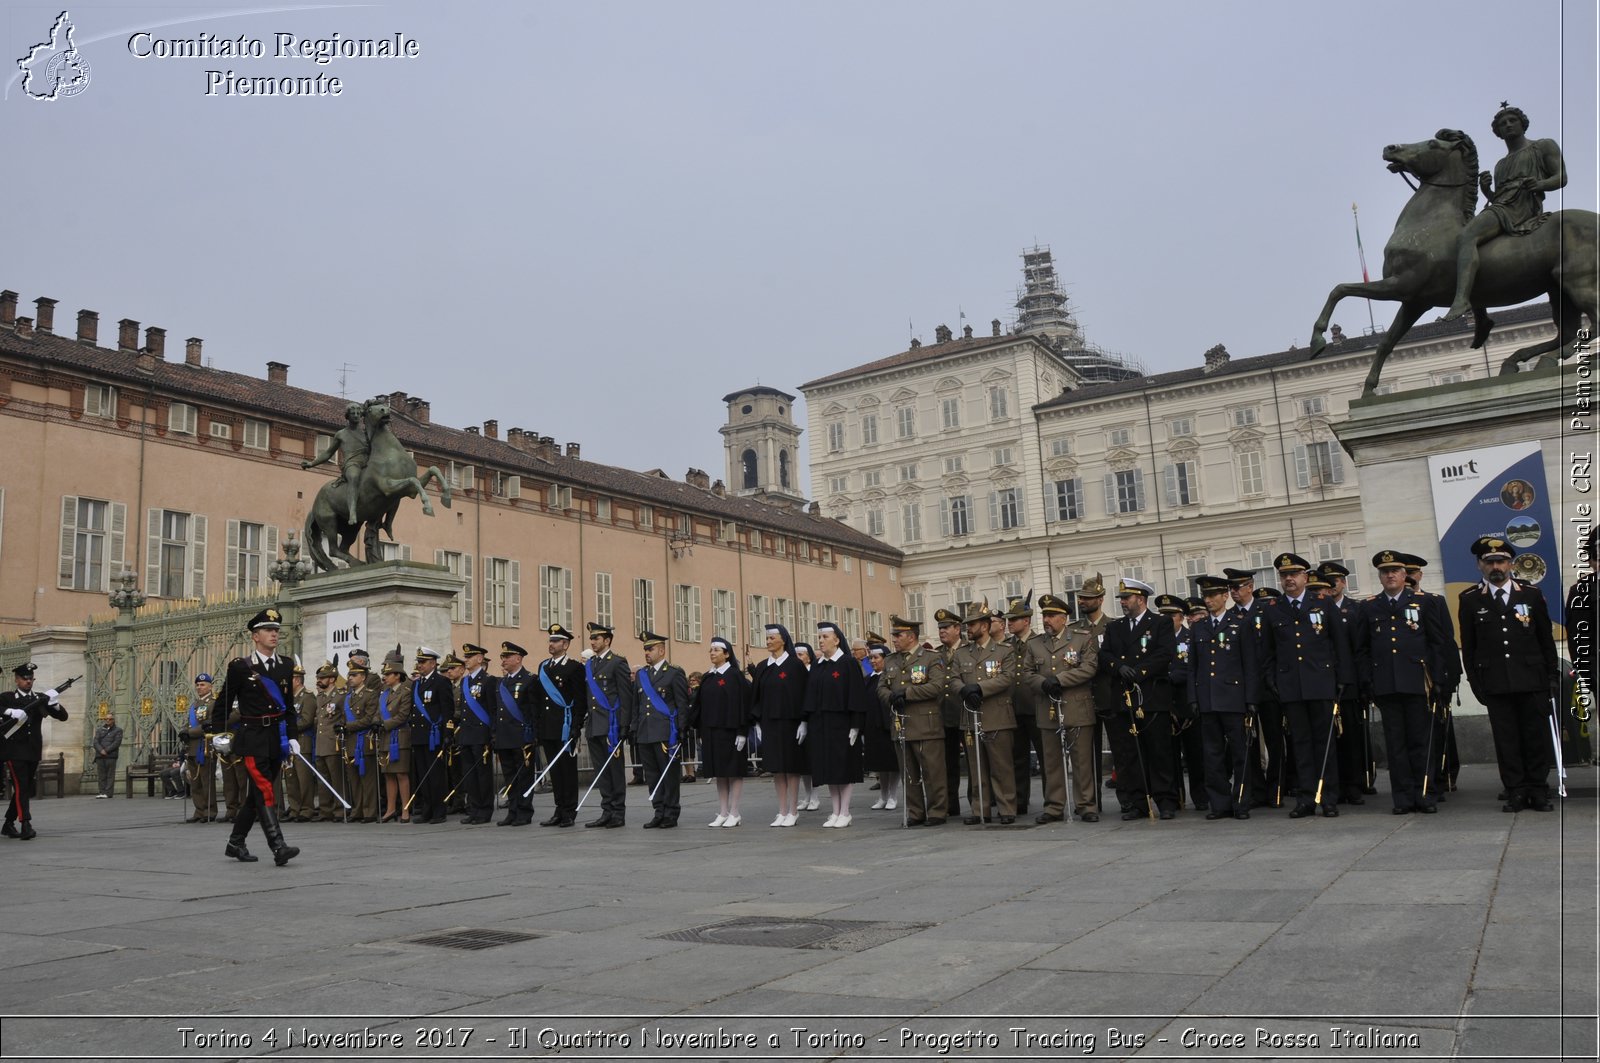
(400, 602)
(1391, 437)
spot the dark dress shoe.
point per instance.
(616, 821)
(1218, 815)
(668, 824)
(1048, 817)
(239, 852)
(1202, 808)
(1510, 806)
(1428, 810)
(1090, 817)
(1006, 821)
(1241, 815)
(1402, 812)
(553, 821)
(654, 823)
(28, 833)
(1301, 811)
(1330, 813)
(936, 821)
(284, 853)
(566, 821)
(1167, 813)
(1128, 815)
(440, 818)
(916, 823)
(509, 821)
(1537, 806)
(603, 821)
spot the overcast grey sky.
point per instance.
(595, 219)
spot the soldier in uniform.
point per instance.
(357, 718)
(1057, 668)
(235, 782)
(610, 683)
(1352, 744)
(22, 746)
(262, 719)
(561, 709)
(988, 724)
(779, 690)
(432, 720)
(951, 710)
(910, 687)
(1445, 684)
(1138, 651)
(1188, 749)
(203, 768)
(1092, 619)
(1305, 662)
(394, 739)
(1224, 689)
(302, 786)
(662, 698)
(1019, 629)
(1399, 647)
(330, 743)
(476, 695)
(516, 733)
(1511, 664)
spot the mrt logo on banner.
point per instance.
(347, 630)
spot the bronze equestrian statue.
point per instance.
(1436, 240)
(378, 473)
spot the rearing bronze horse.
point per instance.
(1557, 260)
(389, 476)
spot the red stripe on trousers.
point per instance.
(263, 783)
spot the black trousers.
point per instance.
(1026, 738)
(1143, 761)
(1407, 728)
(1310, 724)
(1222, 736)
(1270, 783)
(1351, 747)
(1520, 724)
(613, 784)
(430, 781)
(952, 769)
(654, 757)
(563, 776)
(1188, 758)
(477, 782)
(517, 772)
(21, 778)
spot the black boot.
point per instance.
(237, 850)
(282, 853)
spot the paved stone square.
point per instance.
(1471, 933)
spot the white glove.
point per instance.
(294, 746)
(800, 733)
(19, 715)
(738, 743)
(53, 695)
(854, 734)
(758, 732)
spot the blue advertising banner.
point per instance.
(1497, 491)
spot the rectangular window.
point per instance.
(647, 517)
(835, 437)
(1258, 556)
(1194, 565)
(93, 536)
(393, 552)
(830, 612)
(644, 605)
(911, 523)
(1133, 570)
(1000, 456)
(1250, 482)
(848, 562)
(257, 434)
(175, 554)
(872, 478)
(1318, 465)
(686, 614)
(1068, 498)
(869, 429)
(502, 592)
(1313, 406)
(908, 472)
(950, 412)
(1125, 492)
(182, 419)
(875, 622)
(955, 463)
(557, 496)
(1120, 437)
(1450, 376)
(783, 612)
(555, 596)
(458, 564)
(251, 549)
(602, 598)
(1005, 509)
(838, 484)
(221, 430)
(914, 605)
(1244, 417)
(852, 628)
(100, 400)
(808, 616)
(999, 403)
(507, 485)
(905, 422)
(758, 615)
(1182, 483)
(725, 616)
(1180, 427)
(463, 477)
(1061, 447)
(957, 515)
(962, 593)
(875, 522)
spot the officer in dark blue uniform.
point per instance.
(1137, 650)
(1224, 689)
(1399, 648)
(1511, 665)
(1305, 661)
(432, 712)
(516, 704)
(1353, 745)
(563, 708)
(1447, 761)
(476, 696)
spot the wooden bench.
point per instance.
(149, 771)
(52, 768)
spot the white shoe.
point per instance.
(813, 804)
(790, 820)
(891, 804)
(781, 821)
(830, 821)
(842, 821)
(731, 821)
(879, 803)
(719, 821)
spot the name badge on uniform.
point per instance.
(990, 667)
(919, 674)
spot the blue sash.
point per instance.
(361, 753)
(614, 728)
(510, 702)
(554, 693)
(656, 703)
(433, 725)
(194, 722)
(394, 735)
(472, 703)
(276, 693)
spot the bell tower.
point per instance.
(762, 444)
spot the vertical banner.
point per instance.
(346, 629)
(1496, 491)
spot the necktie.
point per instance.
(1500, 597)
(1296, 603)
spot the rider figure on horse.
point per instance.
(1516, 197)
(354, 448)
